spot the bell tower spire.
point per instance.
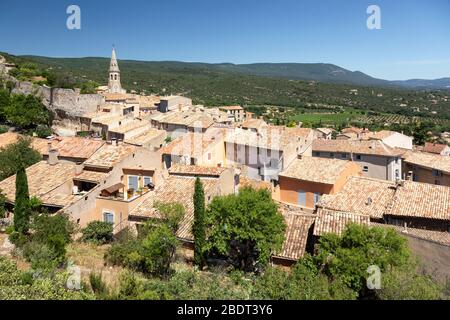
(114, 85)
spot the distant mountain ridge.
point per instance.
(321, 72)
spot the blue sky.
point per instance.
(414, 41)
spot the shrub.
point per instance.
(118, 254)
(98, 232)
(151, 254)
(43, 131)
(45, 247)
(172, 213)
(3, 129)
(98, 286)
(41, 256)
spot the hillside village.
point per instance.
(114, 154)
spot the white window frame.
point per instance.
(145, 177)
(105, 212)
(128, 182)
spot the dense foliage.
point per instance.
(244, 228)
(150, 254)
(152, 250)
(18, 285)
(347, 257)
(17, 155)
(199, 224)
(25, 112)
(2, 205)
(98, 232)
(226, 85)
(22, 208)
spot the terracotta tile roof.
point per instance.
(296, 235)
(350, 135)
(115, 96)
(325, 130)
(194, 144)
(319, 170)
(373, 147)
(8, 138)
(186, 118)
(91, 176)
(129, 126)
(270, 137)
(177, 169)
(146, 137)
(42, 179)
(329, 221)
(421, 200)
(231, 108)
(361, 195)
(57, 199)
(383, 134)
(427, 160)
(109, 155)
(202, 122)
(255, 184)
(181, 190)
(254, 124)
(434, 147)
(429, 235)
(106, 118)
(354, 130)
(69, 147)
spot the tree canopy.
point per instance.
(17, 155)
(26, 111)
(246, 228)
(22, 208)
(199, 225)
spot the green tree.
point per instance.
(245, 228)
(4, 103)
(348, 256)
(53, 231)
(158, 249)
(26, 111)
(2, 205)
(199, 224)
(17, 155)
(98, 232)
(407, 285)
(22, 210)
(172, 213)
(19, 285)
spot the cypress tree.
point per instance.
(22, 210)
(199, 226)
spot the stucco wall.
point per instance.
(379, 167)
(289, 189)
(422, 174)
(434, 257)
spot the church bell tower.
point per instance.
(114, 85)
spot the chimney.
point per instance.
(79, 169)
(410, 176)
(49, 146)
(114, 141)
(53, 157)
(119, 142)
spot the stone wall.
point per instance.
(66, 102)
(434, 257)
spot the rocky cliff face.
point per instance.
(69, 101)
